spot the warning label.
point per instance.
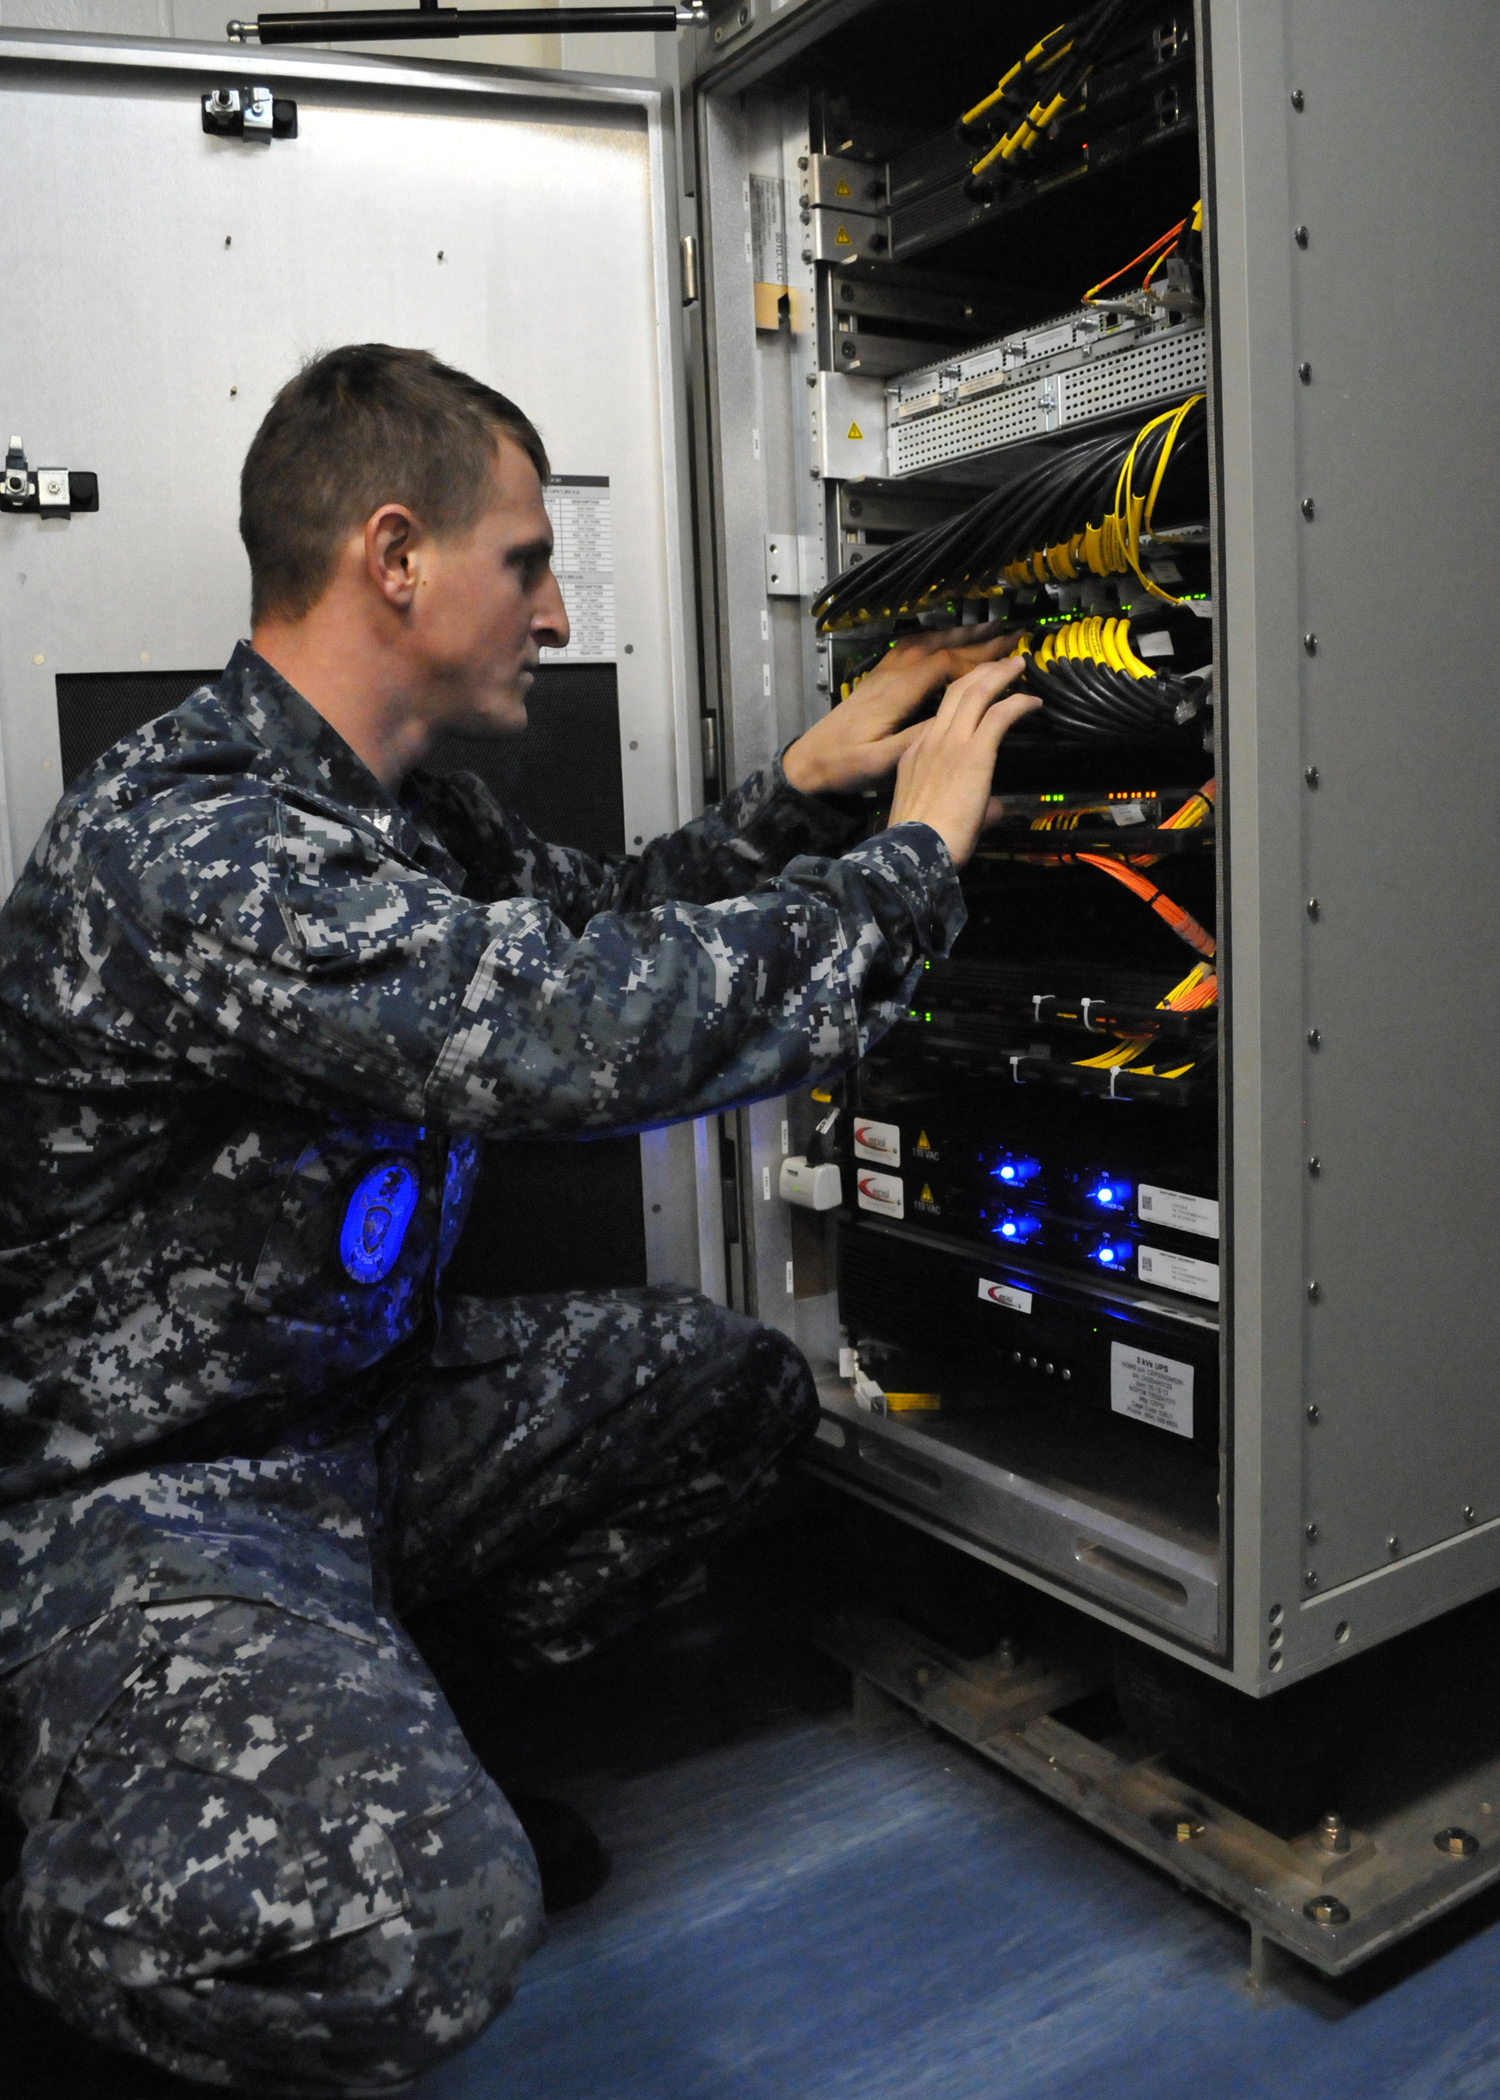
(855, 432)
(1154, 1389)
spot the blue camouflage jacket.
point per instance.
(255, 1014)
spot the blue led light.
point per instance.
(1007, 1173)
(376, 1218)
(1110, 1194)
(1017, 1226)
(1009, 1228)
(1016, 1170)
(1113, 1254)
(1106, 1254)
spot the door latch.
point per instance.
(48, 492)
(246, 112)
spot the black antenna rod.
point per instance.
(365, 25)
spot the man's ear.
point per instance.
(391, 557)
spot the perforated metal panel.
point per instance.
(1160, 370)
(973, 426)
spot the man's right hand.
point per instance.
(945, 772)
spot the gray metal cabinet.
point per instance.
(1351, 287)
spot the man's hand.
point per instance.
(946, 769)
(859, 742)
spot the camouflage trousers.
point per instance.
(260, 1853)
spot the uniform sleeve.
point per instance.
(751, 834)
(255, 948)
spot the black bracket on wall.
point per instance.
(48, 492)
(248, 112)
(364, 25)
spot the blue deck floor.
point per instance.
(813, 1914)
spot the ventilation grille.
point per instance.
(1149, 373)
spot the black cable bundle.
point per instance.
(1097, 688)
(1082, 512)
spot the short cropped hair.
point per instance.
(361, 426)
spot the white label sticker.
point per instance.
(880, 1141)
(1154, 1389)
(1178, 1272)
(583, 561)
(1179, 1211)
(1126, 813)
(880, 1192)
(1157, 643)
(1004, 1294)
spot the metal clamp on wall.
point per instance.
(247, 112)
(48, 492)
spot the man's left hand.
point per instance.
(860, 742)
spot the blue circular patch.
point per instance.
(376, 1219)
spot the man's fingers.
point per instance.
(1003, 716)
(968, 697)
(937, 638)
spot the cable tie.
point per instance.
(1015, 1060)
(1084, 1005)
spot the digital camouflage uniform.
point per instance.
(256, 1015)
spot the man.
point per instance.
(264, 986)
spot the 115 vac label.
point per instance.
(1154, 1389)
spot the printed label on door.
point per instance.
(1178, 1272)
(880, 1192)
(880, 1141)
(1179, 1211)
(1154, 1389)
(1004, 1294)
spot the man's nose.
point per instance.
(549, 622)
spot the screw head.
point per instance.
(1312, 1411)
(1314, 1166)
(1299, 235)
(1468, 1512)
(802, 160)
(1311, 1578)
(1313, 907)
(1311, 1534)
(1314, 1293)
(1307, 507)
(1457, 1843)
(1304, 373)
(1298, 99)
(1393, 1544)
(1310, 644)
(1326, 1910)
(1312, 776)
(1314, 1038)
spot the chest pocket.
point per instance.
(344, 898)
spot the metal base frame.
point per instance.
(1330, 1908)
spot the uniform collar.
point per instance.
(306, 747)
(310, 756)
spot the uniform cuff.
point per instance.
(913, 860)
(770, 813)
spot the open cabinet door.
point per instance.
(164, 277)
